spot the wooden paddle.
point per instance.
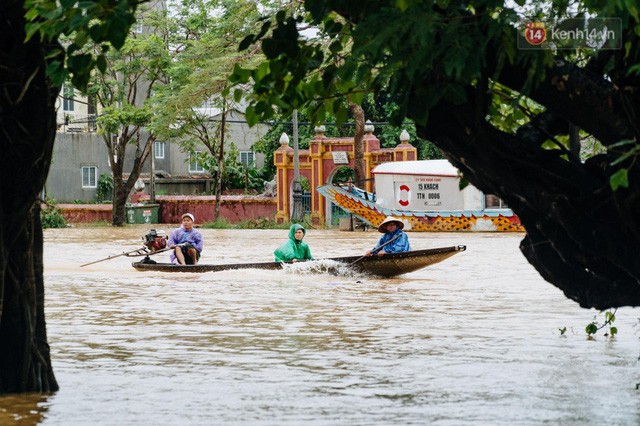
(144, 251)
(376, 249)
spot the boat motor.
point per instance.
(154, 240)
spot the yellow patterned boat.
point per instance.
(425, 195)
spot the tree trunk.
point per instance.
(574, 142)
(581, 235)
(358, 145)
(121, 188)
(120, 195)
(220, 163)
(28, 123)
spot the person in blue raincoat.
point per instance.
(391, 228)
(187, 242)
(294, 249)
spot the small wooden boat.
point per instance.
(389, 265)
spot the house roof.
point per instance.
(421, 167)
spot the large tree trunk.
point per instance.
(581, 235)
(27, 133)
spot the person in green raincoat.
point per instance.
(294, 249)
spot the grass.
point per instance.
(261, 223)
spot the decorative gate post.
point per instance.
(318, 163)
(281, 158)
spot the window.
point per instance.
(89, 174)
(247, 157)
(67, 98)
(137, 27)
(194, 164)
(159, 149)
(493, 202)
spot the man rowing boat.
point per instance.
(394, 238)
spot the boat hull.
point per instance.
(388, 265)
(374, 214)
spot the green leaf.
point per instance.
(619, 178)
(341, 115)
(31, 29)
(335, 47)
(463, 183)
(252, 118)
(336, 105)
(67, 4)
(591, 329)
(357, 97)
(80, 39)
(240, 75)
(53, 67)
(101, 62)
(237, 95)
(403, 5)
(246, 42)
(614, 331)
(31, 14)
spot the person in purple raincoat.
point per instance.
(187, 242)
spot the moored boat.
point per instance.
(426, 196)
(389, 265)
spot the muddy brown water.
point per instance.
(471, 340)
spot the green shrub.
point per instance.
(105, 187)
(51, 217)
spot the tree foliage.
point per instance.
(192, 108)
(123, 91)
(503, 115)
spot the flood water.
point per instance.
(471, 340)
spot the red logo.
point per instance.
(401, 189)
(535, 33)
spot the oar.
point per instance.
(376, 249)
(137, 251)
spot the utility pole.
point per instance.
(297, 214)
(152, 174)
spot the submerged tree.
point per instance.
(502, 114)
(33, 65)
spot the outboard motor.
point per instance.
(154, 241)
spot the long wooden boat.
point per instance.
(425, 195)
(388, 265)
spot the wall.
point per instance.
(71, 152)
(232, 208)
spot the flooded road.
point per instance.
(471, 340)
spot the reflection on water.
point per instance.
(473, 339)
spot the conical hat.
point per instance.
(390, 219)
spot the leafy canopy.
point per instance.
(105, 22)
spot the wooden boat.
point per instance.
(389, 265)
(425, 195)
